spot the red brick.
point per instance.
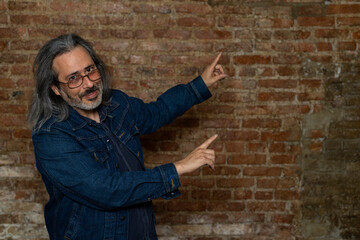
(231, 97)
(276, 23)
(193, 46)
(331, 33)
(200, 194)
(261, 123)
(252, 59)
(255, 110)
(276, 96)
(6, 83)
(221, 195)
(242, 194)
(280, 183)
(14, 108)
(308, 96)
(236, 206)
(316, 21)
(29, 19)
(265, 206)
(308, 10)
(221, 170)
(235, 182)
(166, 59)
(277, 147)
(26, 6)
(152, 8)
(216, 109)
(287, 195)
(239, 135)
(347, 46)
(235, 21)
(69, 20)
(291, 109)
(316, 133)
(311, 83)
(111, 7)
(287, 59)
(282, 218)
(18, 146)
(283, 159)
(201, 183)
(285, 71)
(246, 159)
(262, 171)
(290, 135)
(304, 47)
(343, 9)
(172, 34)
(44, 32)
(348, 21)
(278, 83)
(127, 21)
(232, 9)
(12, 120)
(176, 206)
(220, 123)
(291, 35)
(316, 146)
(239, 84)
(70, 6)
(196, 22)
(195, 8)
(155, 21)
(263, 195)
(324, 46)
(235, 147)
(256, 147)
(5, 134)
(212, 34)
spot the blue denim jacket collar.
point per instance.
(77, 121)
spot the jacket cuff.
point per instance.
(201, 90)
(170, 177)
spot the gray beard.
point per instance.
(78, 103)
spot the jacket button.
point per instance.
(117, 165)
(123, 218)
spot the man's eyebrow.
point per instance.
(77, 72)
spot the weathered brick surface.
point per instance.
(288, 114)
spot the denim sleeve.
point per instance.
(64, 163)
(169, 105)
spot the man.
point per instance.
(87, 147)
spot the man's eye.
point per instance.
(74, 78)
(89, 69)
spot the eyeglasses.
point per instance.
(76, 80)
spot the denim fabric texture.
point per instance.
(89, 196)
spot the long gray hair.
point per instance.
(45, 102)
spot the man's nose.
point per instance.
(87, 83)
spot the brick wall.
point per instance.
(288, 114)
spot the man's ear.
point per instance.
(55, 89)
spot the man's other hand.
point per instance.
(199, 157)
(213, 72)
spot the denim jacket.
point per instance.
(89, 196)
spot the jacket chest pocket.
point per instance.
(130, 138)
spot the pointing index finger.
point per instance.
(208, 142)
(213, 64)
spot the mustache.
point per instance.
(88, 91)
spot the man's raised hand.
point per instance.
(213, 72)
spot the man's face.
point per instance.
(88, 95)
